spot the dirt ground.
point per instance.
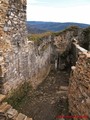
(49, 100)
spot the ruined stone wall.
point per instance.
(79, 86)
(64, 38)
(62, 42)
(19, 59)
(67, 42)
(39, 61)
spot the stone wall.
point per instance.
(20, 60)
(67, 45)
(12, 21)
(63, 39)
(62, 42)
(64, 50)
(79, 86)
(24, 66)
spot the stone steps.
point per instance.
(4, 107)
(21, 117)
(12, 113)
(7, 111)
(2, 97)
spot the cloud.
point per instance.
(36, 2)
(70, 14)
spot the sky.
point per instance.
(59, 10)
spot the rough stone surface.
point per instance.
(79, 93)
(79, 88)
(63, 39)
(20, 60)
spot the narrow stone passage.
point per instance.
(49, 99)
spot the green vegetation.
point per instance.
(38, 38)
(18, 96)
(41, 27)
(86, 41)
(86, 32)
(71, 28)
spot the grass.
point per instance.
(18, 96)
(70, 28)
(38, 38)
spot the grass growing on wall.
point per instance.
(38, 38)
(70, 28)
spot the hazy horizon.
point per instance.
(55, 22)
(76, 11)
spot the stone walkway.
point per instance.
(49, 99)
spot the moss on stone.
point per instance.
(19, 95)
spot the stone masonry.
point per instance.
(79, 87)
(79, 84)
(20, 60)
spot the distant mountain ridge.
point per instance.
(34, 30)
(40, 27)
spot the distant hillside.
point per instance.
(40, 27)
(34, 30)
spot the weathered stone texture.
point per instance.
(79, 88)
(26, 64)
(67, 42)
(20, 60)
(63, 39)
